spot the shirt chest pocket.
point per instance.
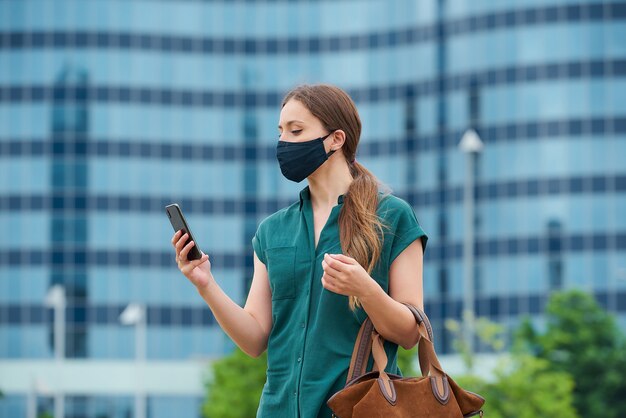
(281, 269)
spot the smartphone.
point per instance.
(177, 219)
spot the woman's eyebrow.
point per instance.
(290, 123)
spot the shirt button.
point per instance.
(302, 324)
(299, 359)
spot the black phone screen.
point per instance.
(177, 219)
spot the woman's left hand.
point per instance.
(345, 276)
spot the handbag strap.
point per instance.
(420, 317)
(363, 344)
(361, 351)
(370, 342)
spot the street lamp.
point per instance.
(55, 299)
(37, 386)
(135, 314)
(471, 145)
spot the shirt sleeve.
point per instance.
(258, 245)
(407, 230)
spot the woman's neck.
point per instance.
(329, 182)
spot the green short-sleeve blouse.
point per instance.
(314, 330)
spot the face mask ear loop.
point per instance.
(326, 136)
(331, 152)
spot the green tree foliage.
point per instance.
(522, 387)
(407, 360)
(583, 340)
(489, 333)
(525, 387)
(234, 389)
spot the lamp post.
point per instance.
(471, 145)
(55, 299)
(31, 402)
(135, 314)
(37, 386)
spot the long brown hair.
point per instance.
(361, 231)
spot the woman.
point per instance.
(342, 252)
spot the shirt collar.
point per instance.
(305, 194)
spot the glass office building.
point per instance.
(111, 109)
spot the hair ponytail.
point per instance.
(361, 231)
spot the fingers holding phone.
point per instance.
(197, 271)
(192, 262)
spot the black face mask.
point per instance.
(298, 160)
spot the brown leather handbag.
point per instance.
(380, 394)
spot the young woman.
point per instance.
(342, 252)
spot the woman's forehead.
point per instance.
(295, 111)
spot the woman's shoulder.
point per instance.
(389, 204)
(399, 217)
(396, 212)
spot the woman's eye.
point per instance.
(296, 132)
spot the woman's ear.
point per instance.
(339, 138)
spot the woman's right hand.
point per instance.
(197, 271)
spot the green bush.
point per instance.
(234, 389)
(582, 339)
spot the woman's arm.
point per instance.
(393, 320)
(248, 327)
(390, 317)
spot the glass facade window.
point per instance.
(535, 45)
(556, 100)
